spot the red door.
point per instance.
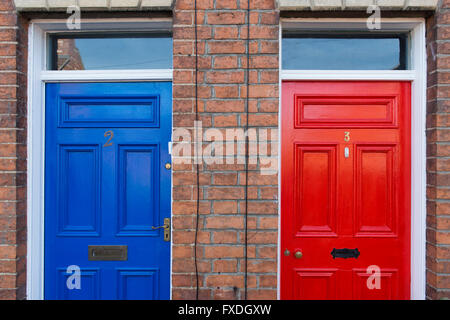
(345, 190)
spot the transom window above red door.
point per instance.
(343, 51)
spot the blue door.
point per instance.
(106, 190)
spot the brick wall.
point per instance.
(222, 91)
(438, 154)
(222, 33)
(13, 53)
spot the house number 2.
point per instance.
(109, 134)
(347, 136)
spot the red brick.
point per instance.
(182, 251)
(226, 32)
(183, 222)
(219, 222)
(183, 18)
(258, 4)
(220, 234)
(225, 266)
(8, 35)
(225, 120)
(225, 106)
(262, 266)
(223, 237)
(223, 193)
(224, 281)
(267, 252)
(262, 294)
(225, 207)
(7, 49)
(226, 4)
(260, 91)
(268, 281)
(225, 76)
(269, 47)
(228, 251)
(184, 32)
(271, 18)
(225, 62)
(7, 19)
(225, 17)
(189, 4)
(225, 179)
(226, 47)
(224, 92)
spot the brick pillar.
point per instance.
(222, 33)
(13, 52)
(438, 153)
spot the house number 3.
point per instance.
(347, 136)
(109, 134)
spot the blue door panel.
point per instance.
(138, 185)
(90, 285)
(105, 184)
(78, 194)
(138, 284)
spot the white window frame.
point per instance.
(418, 77)
(38, 76)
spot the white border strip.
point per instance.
(35, 167)
(105, 75)
(347, 75)
(37, 76)
(418, 76)
(418, 163)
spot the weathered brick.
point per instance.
(226, 17)
(228, 266)
(225, 76)
(221, 226)
(226, 32)
(225, 62)
(226, 47)
(227, 4)
(219, 222)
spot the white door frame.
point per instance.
(37, 77)
(418, 76)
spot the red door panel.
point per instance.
(345, 184)
(388, 285)
(315, 284)
(315, 190)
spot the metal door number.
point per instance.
(109, 134)
(347, 136)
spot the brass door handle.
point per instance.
(166, 224)
(298, 254)
(168, 166)
(166, 227)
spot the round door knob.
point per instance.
(168, 166)
(298, 254)
(287, 252)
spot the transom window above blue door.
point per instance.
(110, 51)
(343, 51)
